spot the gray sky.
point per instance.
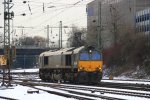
(68, 11)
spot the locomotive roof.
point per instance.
(76, 50)
(62, 51)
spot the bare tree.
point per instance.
(40, 41)
(116, 23)
(1, 39)
(77, 37)
(35, 41)
(92, 35)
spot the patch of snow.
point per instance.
(20, 92)
(26, 70)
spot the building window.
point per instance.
(142, 21)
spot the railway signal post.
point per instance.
(3, 63)
(7, 52)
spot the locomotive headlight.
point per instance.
(80, 68)
(90, 51)
(99, 68)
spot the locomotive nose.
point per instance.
(90, 66)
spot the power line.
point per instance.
(33, 8)
(57, 6)
(60, 10)
(57, 14)
(41, 14)
(53, 16)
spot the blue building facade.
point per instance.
(143, 21)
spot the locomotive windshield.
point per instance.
(95, 56)
(84, 56)
(90, 56)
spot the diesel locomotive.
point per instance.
(75, 65)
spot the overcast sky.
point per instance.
(38, 16)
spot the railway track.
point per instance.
(100, 90)
(23, 73)
(69, 94)
(34, 76)
(95, 97)
(139, 80)
(144, 87)
(94, 92)
(6, 98)
(66, 94)
(130, 86)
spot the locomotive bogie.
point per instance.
(89, 77)
(61, 74)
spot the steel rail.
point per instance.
(65, 87)
(73, 93)
(7, 98)
(119, 92)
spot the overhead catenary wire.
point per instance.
(37, 16)
(29, 8)
(58, 14)
(42, 29)
(25, 10)
(72, 4)
(41, 13)
(62, 4)
(43, 8)
(54, 16)
(77, 2)
(60, 9)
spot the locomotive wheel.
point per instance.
(95, 77)
(89, 77)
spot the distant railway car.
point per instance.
(78, 65)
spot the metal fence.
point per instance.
(25, 61)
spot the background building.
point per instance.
(143, 21)
(118, 17)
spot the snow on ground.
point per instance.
(26, 70)
(20, 92)
(124, 79)
(130, 82)
(114, 95)
(119, 79)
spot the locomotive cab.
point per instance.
(90, 66)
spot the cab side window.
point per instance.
(45, 60)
